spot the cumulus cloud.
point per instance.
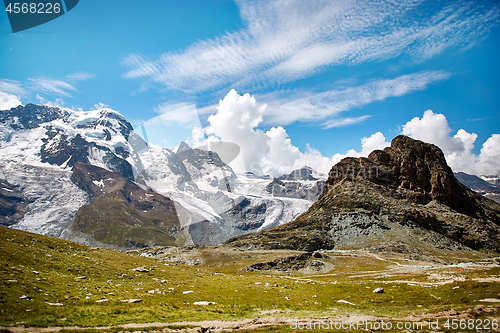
(8, 101)
(272, 152)
(433, 128)
(458, 149)
(284, 41)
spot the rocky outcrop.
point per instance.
(405, 192)
(296, 189)
(13, 205)
(305, 173)
(295, 263)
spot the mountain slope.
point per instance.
(122, 214)
(39, 145)
(407, 191)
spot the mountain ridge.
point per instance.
(406, 189)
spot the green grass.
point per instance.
(109, 275)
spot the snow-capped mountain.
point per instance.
(488, 186)
(39, 145)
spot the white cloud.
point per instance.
(100, 105)
(57, 102)
(270, 152)
(368, 144)
(433, 128)
(289, 106)
(489, 157)
(344, 121)
(458, 149)
(12, 87)
(181, 114)
(176, 123)
(52, 86)
(8, 101)
(288, 40)
(236, 121)
(79, 76)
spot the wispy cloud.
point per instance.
(286, 107)
(52, 86)
(79, 76)
(344, 121)
(12, 87)
(288, 40)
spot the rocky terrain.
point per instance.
(405, 192)
(52, 285)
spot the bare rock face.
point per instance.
(406, 192)
(13, 205)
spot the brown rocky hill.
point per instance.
(405, 194)
(121, 215)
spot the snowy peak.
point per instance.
(478, 184)
(40, 145)
(105, 121)
(31, 116)
(305, 173)
(183, 147)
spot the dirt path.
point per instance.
(490, 311)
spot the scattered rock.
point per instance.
(378, 290)
(203, 303)
(132, 300)
(80, 277)
(141, 269)
(25, 298)
(490, 300)
(345, 302)
(35, 272)
(54, 304)
(188, 292)
(102, 300)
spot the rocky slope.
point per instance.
(405, 192)
(476, 183)
(122, 214)
(485, 185)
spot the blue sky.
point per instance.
(330, 73)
